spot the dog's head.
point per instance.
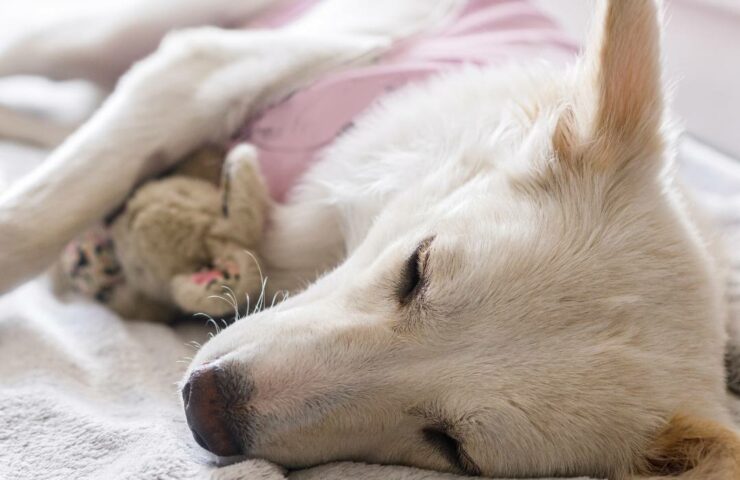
(542, 312)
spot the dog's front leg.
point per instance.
(197, 89)
(100, 48)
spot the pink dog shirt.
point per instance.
(290, 135)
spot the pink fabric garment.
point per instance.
(291, 134)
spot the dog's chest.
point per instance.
(291, 134)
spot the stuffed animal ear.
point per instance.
(691, 448)
(620, 101)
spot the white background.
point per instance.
(702, 57)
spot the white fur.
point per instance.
(571, 305)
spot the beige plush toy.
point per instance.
(181, 244)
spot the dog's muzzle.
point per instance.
(205, 411)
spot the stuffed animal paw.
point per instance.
(184, 243)
(220, 289)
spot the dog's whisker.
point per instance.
(235, 304)
(230, 300)
(248, 300)
(193, 344)
(261, 300)
(282, 293)
(257, 264)
(209, 320)
(263, 283)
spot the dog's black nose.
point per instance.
(204, 410)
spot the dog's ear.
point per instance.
(620, 104)
(691, 448)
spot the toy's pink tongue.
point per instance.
(290, 135)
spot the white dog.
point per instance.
(511, 284)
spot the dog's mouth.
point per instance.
(451, 448)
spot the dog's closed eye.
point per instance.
(413, 275)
